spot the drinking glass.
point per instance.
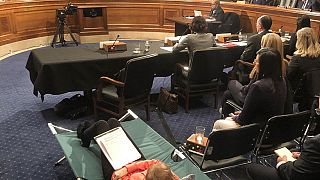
(137, 50)
(200, 130)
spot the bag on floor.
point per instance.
(167, 101)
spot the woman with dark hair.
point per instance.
(266, 97)
(197, 40)
(303, 21)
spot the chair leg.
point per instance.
(147, 107)
(187, 103)
(95, 110)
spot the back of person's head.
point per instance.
(159, 171)
(215, 2)
(199, 24)
(269, 60)
(272, 40)
(303, 21)
(265, 22)
(307, 43)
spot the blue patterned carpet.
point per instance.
(28, 149)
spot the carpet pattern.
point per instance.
(29, 150)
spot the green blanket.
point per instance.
(85, 162)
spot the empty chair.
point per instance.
(202, 77)
(114, 97)
(230, 23)
(280, 131)
(307, 88)
(227, 148)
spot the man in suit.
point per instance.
(263, 25)
(307, 165)
(216, 10)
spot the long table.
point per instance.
(60, 70)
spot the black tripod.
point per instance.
(61, 23)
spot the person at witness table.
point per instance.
(139, 170)
(216, 10)
(263, 26)
(306, 167)
(197, 40)
(238, 92)
(305, 59)
(266, 97)
(303, 21)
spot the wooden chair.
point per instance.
(114, 96)
(203, 76)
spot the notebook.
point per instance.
(117, 147)
(285, 152)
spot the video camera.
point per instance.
(69, 9)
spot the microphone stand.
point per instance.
(112, 47)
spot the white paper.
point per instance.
(117, 147)
(240, 43)
(285, 152)
(169, 48)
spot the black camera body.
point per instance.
(69, 9)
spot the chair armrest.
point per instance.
(103, 81)
(245, 63)
(234, 105)
(107, 80)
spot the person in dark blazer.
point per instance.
(306, 59)
(306, 167)
(263, 25)
(216, 10)
(266, 96)
(303, 21)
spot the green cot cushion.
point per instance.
(86, 162)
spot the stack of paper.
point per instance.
(117, 147)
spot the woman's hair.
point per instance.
(307, 43)
(272, 40)
(159, 171)
(199, 24)
(303, 21)
(270, 63)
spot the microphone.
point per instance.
(112, 47)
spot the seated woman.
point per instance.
(306, 59)
(139, 170)
(197, 40)
(303, 21)
(266, 97)
(236, 91)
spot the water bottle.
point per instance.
(147, 46)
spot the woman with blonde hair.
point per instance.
(306, 59)
(238, 92)
(274, 41)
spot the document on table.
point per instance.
(117, 147)
(169, 48)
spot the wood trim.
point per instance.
(25, 19)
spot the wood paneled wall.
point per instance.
(20, 20)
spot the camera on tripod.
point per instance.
(69, 9)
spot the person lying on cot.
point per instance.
(138, 170)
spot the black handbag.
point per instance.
(167, 101)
